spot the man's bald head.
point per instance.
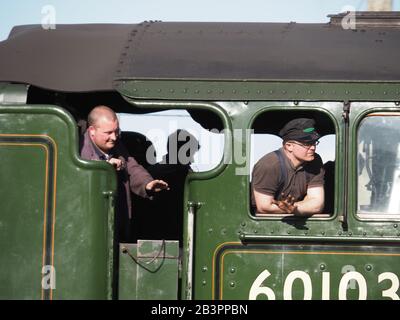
(101, 112)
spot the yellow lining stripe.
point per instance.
(45, 191)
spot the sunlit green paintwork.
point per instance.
(45, 183)
(259, 90)
(231, 247)
(154, 274)
(223, 218)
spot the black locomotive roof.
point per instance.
(91, 57)
(69, 58)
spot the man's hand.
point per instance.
(119, 164)
(286, 204)
(157, 185)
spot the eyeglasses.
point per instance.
(305, 144)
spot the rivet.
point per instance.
(309, 91)
(395, 225)
(209, 91)
(243, 224)
(288, 232)
(210, 230)
(247, 91)
(221, 91)
(232, 284)
(340, 233)
(350, 234)
(368, 267)
(297, 91)
(197, 91)
(172, 90)
(232, 270)
(322, 266)
(159, 90)
(323, 233)
(284, 91)
(234, 91)
(322, 92)
(347, 91)
(204, 282)
(204, 269)
(271, 91)
(272, 231)
(364, 233)
(258, 91)
(384, 92)
(255, 231)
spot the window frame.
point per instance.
(312, 108)
(370, 109)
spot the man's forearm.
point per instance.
(270, 209)
(308, 207)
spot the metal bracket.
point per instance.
(346, 114)
(12, 94)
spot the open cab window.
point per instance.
(378, 161)
(265, 139)
(171, 145)
(194, 145)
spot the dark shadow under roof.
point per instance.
(82, 58)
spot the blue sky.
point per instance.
(17, 12)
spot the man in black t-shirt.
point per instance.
(291, 179)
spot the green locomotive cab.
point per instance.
(239, 83)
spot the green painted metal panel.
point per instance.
(21, 266)
(317, 272)
(149, 270)
(127, 284)
(259, 90)
(56, 240)
(224, 214)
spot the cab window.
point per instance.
(265, 139)
(378, 162)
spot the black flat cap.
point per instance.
(301, 129)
